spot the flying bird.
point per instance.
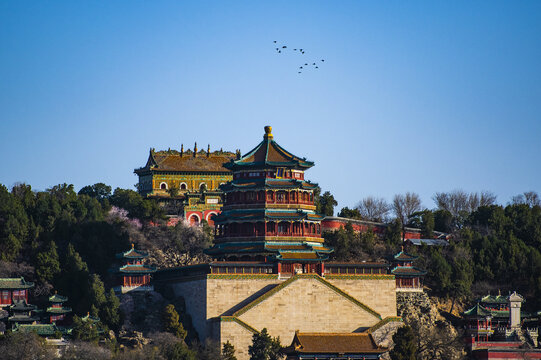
(284, 47)
(322, 60)
(275, 41)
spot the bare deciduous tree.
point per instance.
(404, 205)
(530, 198)
(374, 209)
(459, 201)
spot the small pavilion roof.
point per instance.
(40, 329)
(501, 299)
(404, 256)
(269, 154)
(60, 310)
(334, 343)
(90, 318)
(481, 311)
(22, 318)
(478, 311)
(133, 253)
(407, 271)
(22, 305)
(58, 298)
(298, 255)
(136, 269)
(15, 283)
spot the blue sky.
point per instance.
(413, 96)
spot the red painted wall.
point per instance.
(334, 223)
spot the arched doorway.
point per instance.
(194, 220)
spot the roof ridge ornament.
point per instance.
(268, 132)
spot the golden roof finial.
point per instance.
(268, 132)
(132, 245)
(181, 149)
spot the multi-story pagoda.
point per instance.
(134, 275)
(20, 312)
(408, 277)
(269, 212)
(57, 311)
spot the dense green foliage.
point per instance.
(324, 203)
(67, 241)
(265, 347)
(228, 351)
(405, 347)
(171, 322)
(492, 247)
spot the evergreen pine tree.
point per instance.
(264, 347)
(47, 263)
(404, 344)
(228, 351)
(110, 313)
(171, 322)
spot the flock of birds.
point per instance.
(307, 65)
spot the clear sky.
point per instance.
(413, 96)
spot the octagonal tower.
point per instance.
(269, 212)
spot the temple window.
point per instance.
(163, 186)
(183, 186)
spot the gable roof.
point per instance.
(407, 271)
(172, 160)
(137, 269)
(132, 254)
(269, 154)
(334, 343)
(58, 298)
(404, 256)
(15, 283)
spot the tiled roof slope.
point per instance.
(175, 161)
(15, 283)
(269, 153)
(335, 343)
